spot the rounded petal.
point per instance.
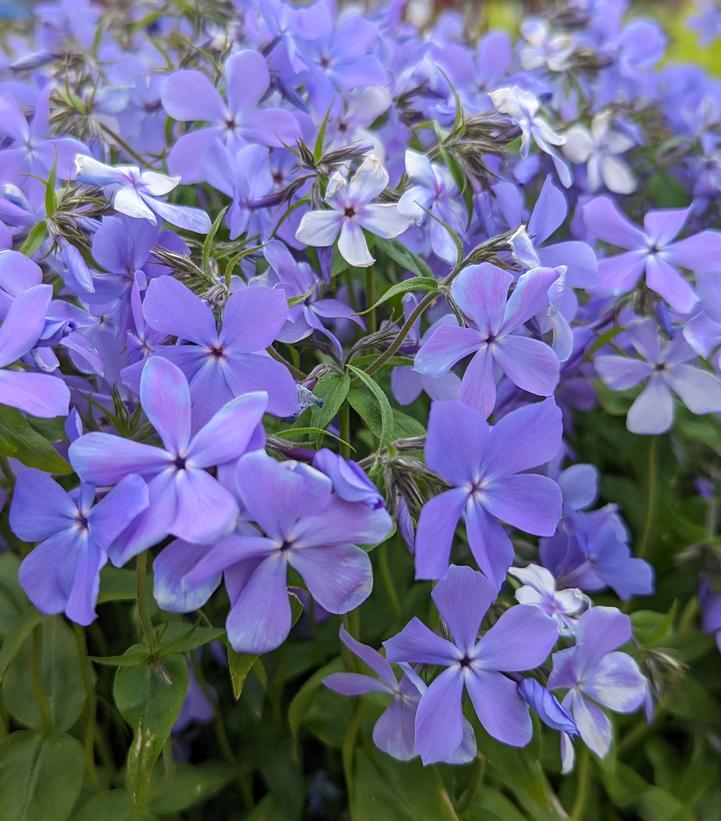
(165, 397)
(319, 228)
(33, 522)
(189, 95)
(500, 709)
(436, 529)
(339, 577)
(521, 639)
(352, 245)
(439, 719)
(462, 597)
(652, 410)
(528, 501)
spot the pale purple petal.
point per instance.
(528, 363)
(32, 522)
(480, 291)
(439, 719)
(529, 297)
(652, 411)
(616, 682)
(165, 397)
(372, 658)
(668, 282)
(206, 510)
(478, 386)
(252, 318)
(620, 372)
(383, 219)
(353, 684)
(592, 723)
(189, 95)
(502, 712)
(446, 345)
(339, 578)
(319, 228)
(436, 528)
(394, 732)
(104, 459)
(698, 253)
(662, 226)
(170, 589)
(605, 221)
(353, 246)
(462, 597)
(528, 501)
(521, 639)
(227, 435)
(109, 518)
(456, 441)
(38, 394)
(172, 308)
(24, 323)
(246, 78)
(699, 390)
(417, 644)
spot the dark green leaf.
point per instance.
(239, 665)
(34, 239)
(404, 287)
(385, 431)
(409, 261)
(29, 446)
(117, 584)
(181, 637)
(191, 785)
(17, 632)
(332, 389)
(112, 805)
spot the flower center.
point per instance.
(349, 212)
(179, 462)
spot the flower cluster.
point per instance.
(319, 312)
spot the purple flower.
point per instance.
(594, 673)
(62, 574)
(185, 500)
(521, 639)
(481, 292)
(189, 96)
(137, 193)
(351, 210)
(486, 467)
(711, 612)
(651, 251)
(433, 191)
(663, 370)
(539, 590)
(349, 479)
(549, 710)
(299, 523)
(221, 364)
(36, 393)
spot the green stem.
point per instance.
(407, 327)
(651, 498)
(90, 706)
(583, 782)
(146, 624)
(349, 743)
(283, 361)
(41, 698)
(474, 784)
(387, 576)
(4, 718)
(370, 300)
(344, 419)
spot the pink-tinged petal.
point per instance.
(259, 619)
(372, 658)
(250, 372)
(521, 639)
(478, 386)
(599, 631)
(439, 718)
(652, 410)
(253, 317)
(416, 644)
(188, 95)
(699, 390)
(605, 221)
(383, 220)
(170, 589)
(24, 323)
(83, 596)
(524, 438)
(662, 226)
(394, 732)
(665, 280)
(490, 545)
(620, 372)
(529, 297)
(165, 397)
(550, 209)
(339, 578)
(319, 228)
(463, 597)
(246, 79)
(528, 363)
(109, 518)
(592, 723)
(620, 274)
(47, 572)
(105, 459)
(456, 441)
(445, 345)
(206, 510)
(436, 529)
(227, 435)
(699, 253)
(31, 521)
(528, 501)
(270, 126)
(353, 684)
(480, 291)
(617, 683)
(352, 245)
(128, 201)
(502, 712)
(38, 394)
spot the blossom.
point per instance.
(299, 523)
(36, 393)
(521, 639)
(188, 95)
(594, 673)
(539, 590)
(486, 468)
(137, 193)
(651, 252)
(481, 292)
(222, 364)
(547, 706)
(663, 370)
(599, 149)
(351, 210)
(62, 574)
(184, 499)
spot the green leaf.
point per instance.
(320, 138)
(650, 628)
(181, 637)
(130, 658)
(409, 261)
(210, 236)
(61, 675)
(239, 665)
(40, 777)
(384, 431)
(338, 263)
(51, 199)
(28, 446)
(12, 597)
(404, 287)
(491, 805)
(191, 785)
(149, 697)
(112, 805)
(34, 239)
(17, 632)
(389, 790)
(303, 698)
(117, 584)
(332, 389)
